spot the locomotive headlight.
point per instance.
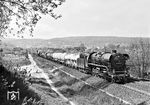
(113, 71)
(127, 68)
(125, 72)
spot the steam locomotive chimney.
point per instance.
(114, 51)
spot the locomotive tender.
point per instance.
(109, 65)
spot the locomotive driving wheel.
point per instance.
(124, 79)
(89, 71)
(113, 79)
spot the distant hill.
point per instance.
(26, 43)
(89, 41)
(93, 41)
(6, 45)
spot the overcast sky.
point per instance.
(98, 18)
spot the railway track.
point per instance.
(130, 90)
(142, 87)
(135, 89)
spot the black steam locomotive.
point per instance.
(109, 65)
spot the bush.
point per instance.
(139, 57)
(12, 79)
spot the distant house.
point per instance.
(148, 70)
(17, 49)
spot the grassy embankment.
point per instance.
(10, 78)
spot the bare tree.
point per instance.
(140, 56)
(26, 14)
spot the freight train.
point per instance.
(109, 65)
